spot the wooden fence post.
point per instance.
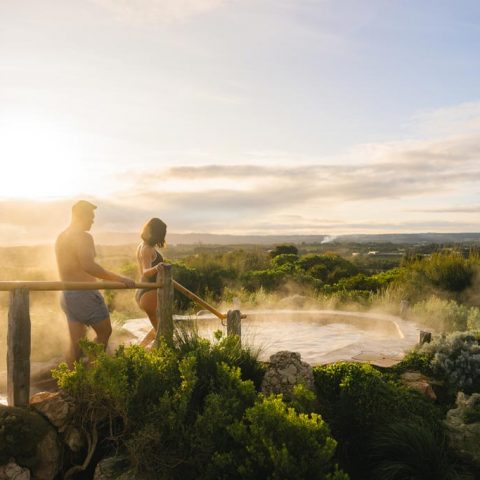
(165, 305)
(234, 324)
(18, 349)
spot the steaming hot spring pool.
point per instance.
(320, 336)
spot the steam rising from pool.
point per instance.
(320, 336)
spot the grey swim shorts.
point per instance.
(84, 306)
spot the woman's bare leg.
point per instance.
(148, 303)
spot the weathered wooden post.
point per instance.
(425, 337)
(234, 324)
(165, 304)
(18, 348)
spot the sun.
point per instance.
(39, 158)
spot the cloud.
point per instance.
(157, 11)
(402, 170)
(475, 209)
(413, 185)
(463, 118)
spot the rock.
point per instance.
(54, 406)
(114, 468)
(31, 440)
(49, 455)
(74, 439)
(286, 370)
(419, 382)
(463, 436)
(12, 471)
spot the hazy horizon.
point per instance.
(252, 117)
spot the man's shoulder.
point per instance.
(74, 236)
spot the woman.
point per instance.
(149, 259)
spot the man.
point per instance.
(75, 253)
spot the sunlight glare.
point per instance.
(39, 159)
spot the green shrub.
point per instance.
(189, 278)
(269, 280)
(275, 442)
(444, 315)
(446, 273)
(358, 282)
(284, 259)
(411, 449)
(473, 319)
(327, 268)
(190, 412)
(356, 399)
(284, 250)
(449, 271)
(416, 360)
(226, 350)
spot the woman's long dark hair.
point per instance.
(153, 232)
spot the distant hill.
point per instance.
(115, 238)
(468, 237)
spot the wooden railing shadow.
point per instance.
(19, 324)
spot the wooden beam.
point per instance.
(53, 286)
(198, 300)
(18, 349)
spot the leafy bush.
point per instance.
(449, 271)
(284, 250)
(444, 315)
(356, 400)
(273, 441)
(456, 358)
(446, 273)
(473, 319)
(193, 412)
(269, 280)
(358, 282)
(416, 360)
(285, 262)
(328, 268)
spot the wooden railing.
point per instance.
(19, 324)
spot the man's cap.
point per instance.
(83, 206)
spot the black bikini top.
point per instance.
(158, 259)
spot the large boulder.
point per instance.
(286, 370)
(55, 407)
(463, 427)
(31, 441)
(419, 382)
(59, 411)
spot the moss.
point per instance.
(20, 432)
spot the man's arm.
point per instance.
(86, 256)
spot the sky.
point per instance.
(240, 116)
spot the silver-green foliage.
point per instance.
(456, 357)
